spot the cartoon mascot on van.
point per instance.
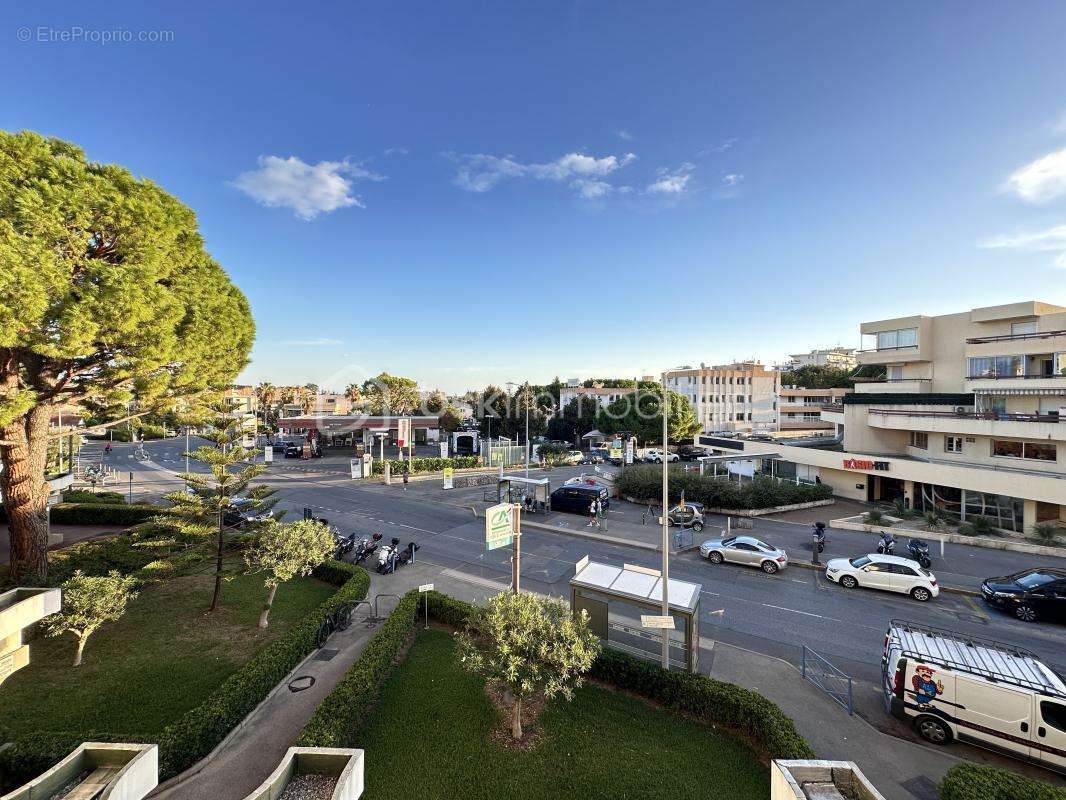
(925, 688)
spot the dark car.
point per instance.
(576, 498)
(293, 450)
(690, 453)
(1038, 593)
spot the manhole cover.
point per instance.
(921, 787)
(325, 654)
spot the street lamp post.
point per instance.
(666, 530)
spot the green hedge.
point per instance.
(88, 496)
(337, 719)
(188, 739)
(644, 484)
(437, 464)
(99, 513)
(976, 782)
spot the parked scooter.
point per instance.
(887, 544)
(919, 551)
(388, 556)
(345, 544)
(407, 555)
(365, 548)
(818, 533)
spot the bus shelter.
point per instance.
(531, 493)
(616, 597)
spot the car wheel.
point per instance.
(933, 730)
(769, 567)
(715, 557)
(697, 526)
(921, 594)
(1026, 613)
(848, 582)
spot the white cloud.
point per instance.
(318, 342)
(672, 181)
(1052, 240)
(308, 189)
(718, 148)
(624, 135)
(479, 172)
(396, 151)
(1042, 180)
(732, 179)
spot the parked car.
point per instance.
(690, 452)
(959, 686)
(1033, 594)
(656, 456)
(745, 550)
(691, 516)
(293, 450)
(576, 498)
(888, 573)
(575, 457)
(592, 457)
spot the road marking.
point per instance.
(794, 611)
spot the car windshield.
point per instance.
(861, 561)
(1035, 579)
(729, 541)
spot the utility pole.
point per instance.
(666, 530)
(527, 428)
(186, 455)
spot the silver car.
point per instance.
(745, 550)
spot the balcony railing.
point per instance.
(833, 408)
(1028, 376)
(888, 349)
(980, 415)
(1014, 337)
(883, 379)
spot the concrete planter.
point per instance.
(20, 608)
(813, 780)
(124, 771)
(344, 765)
(856, 523)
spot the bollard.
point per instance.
(814, 550)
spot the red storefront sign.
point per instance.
(859, 463)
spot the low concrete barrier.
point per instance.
(812, 780)
(99, 770)
(344, 765)
(749, 512)
(20, 608)
(856, 523)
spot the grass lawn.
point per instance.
(429, 738)
(161, 659)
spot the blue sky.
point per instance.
(476, 192)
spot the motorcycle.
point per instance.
(344, 544)
(365, 548)
(407, 555)
(919, 551)
(388, 556)
(887, 544)
(818, 532)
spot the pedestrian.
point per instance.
(592, 514)
(599, 514)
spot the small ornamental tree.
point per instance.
(525, 643)
(208, 510)
(288, 551)
(89, 602)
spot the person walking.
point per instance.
(592, 514)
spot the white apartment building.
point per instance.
(597, 396)
(730, 397)
(839, 357)
(801, 409)
(969, 417)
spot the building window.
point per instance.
(1034, 451)
(920, 440)
(1022, 328)
(891, 340)
(952, 444)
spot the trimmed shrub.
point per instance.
(429, 464)
(873, 517)
(103, 513)
(711, 702)
(337, 720)
(644, 484)
(977, 782)
(87, 496)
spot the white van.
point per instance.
(994, 695)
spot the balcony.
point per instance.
(890, 355)
(1015, 337)
(971, 423)
(833, 408)
(894, 385)
(1031, 383)
(1044, 343)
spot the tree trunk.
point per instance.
(81, 649)
(26, 492)
(516, 719)
(263, 622)
(218, 568)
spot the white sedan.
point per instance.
(656, 457)
(888, 573)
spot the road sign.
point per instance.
(444, 449)
(650, 621)
(629, 450)
(403, 432)
(268, 454)
(499, 525)
(449, 477)
(426, 587)
(357, 467)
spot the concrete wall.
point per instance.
(346, 765)
(138, 774)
